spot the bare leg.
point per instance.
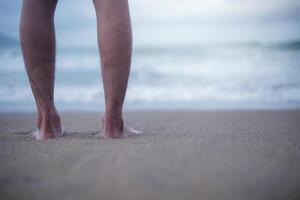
(115, 43)
(38, 46)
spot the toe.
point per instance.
(128, 132)
(36, 134)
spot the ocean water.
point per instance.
(200, 77)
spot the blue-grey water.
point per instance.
(223, 76)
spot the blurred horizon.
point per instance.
(169, 22)
(197, 54)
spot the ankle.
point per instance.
(50, 126)
(48, 117)
(113, 123)
(49, 113)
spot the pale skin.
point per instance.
(37, 34)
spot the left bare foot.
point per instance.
(48, 127)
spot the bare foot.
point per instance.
(113, 129)
(38, 135)
(48, 127)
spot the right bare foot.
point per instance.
(114, 128)
(49, 126)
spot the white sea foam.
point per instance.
(169, 78)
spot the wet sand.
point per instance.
(181, 155)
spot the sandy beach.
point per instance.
(236, 155)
